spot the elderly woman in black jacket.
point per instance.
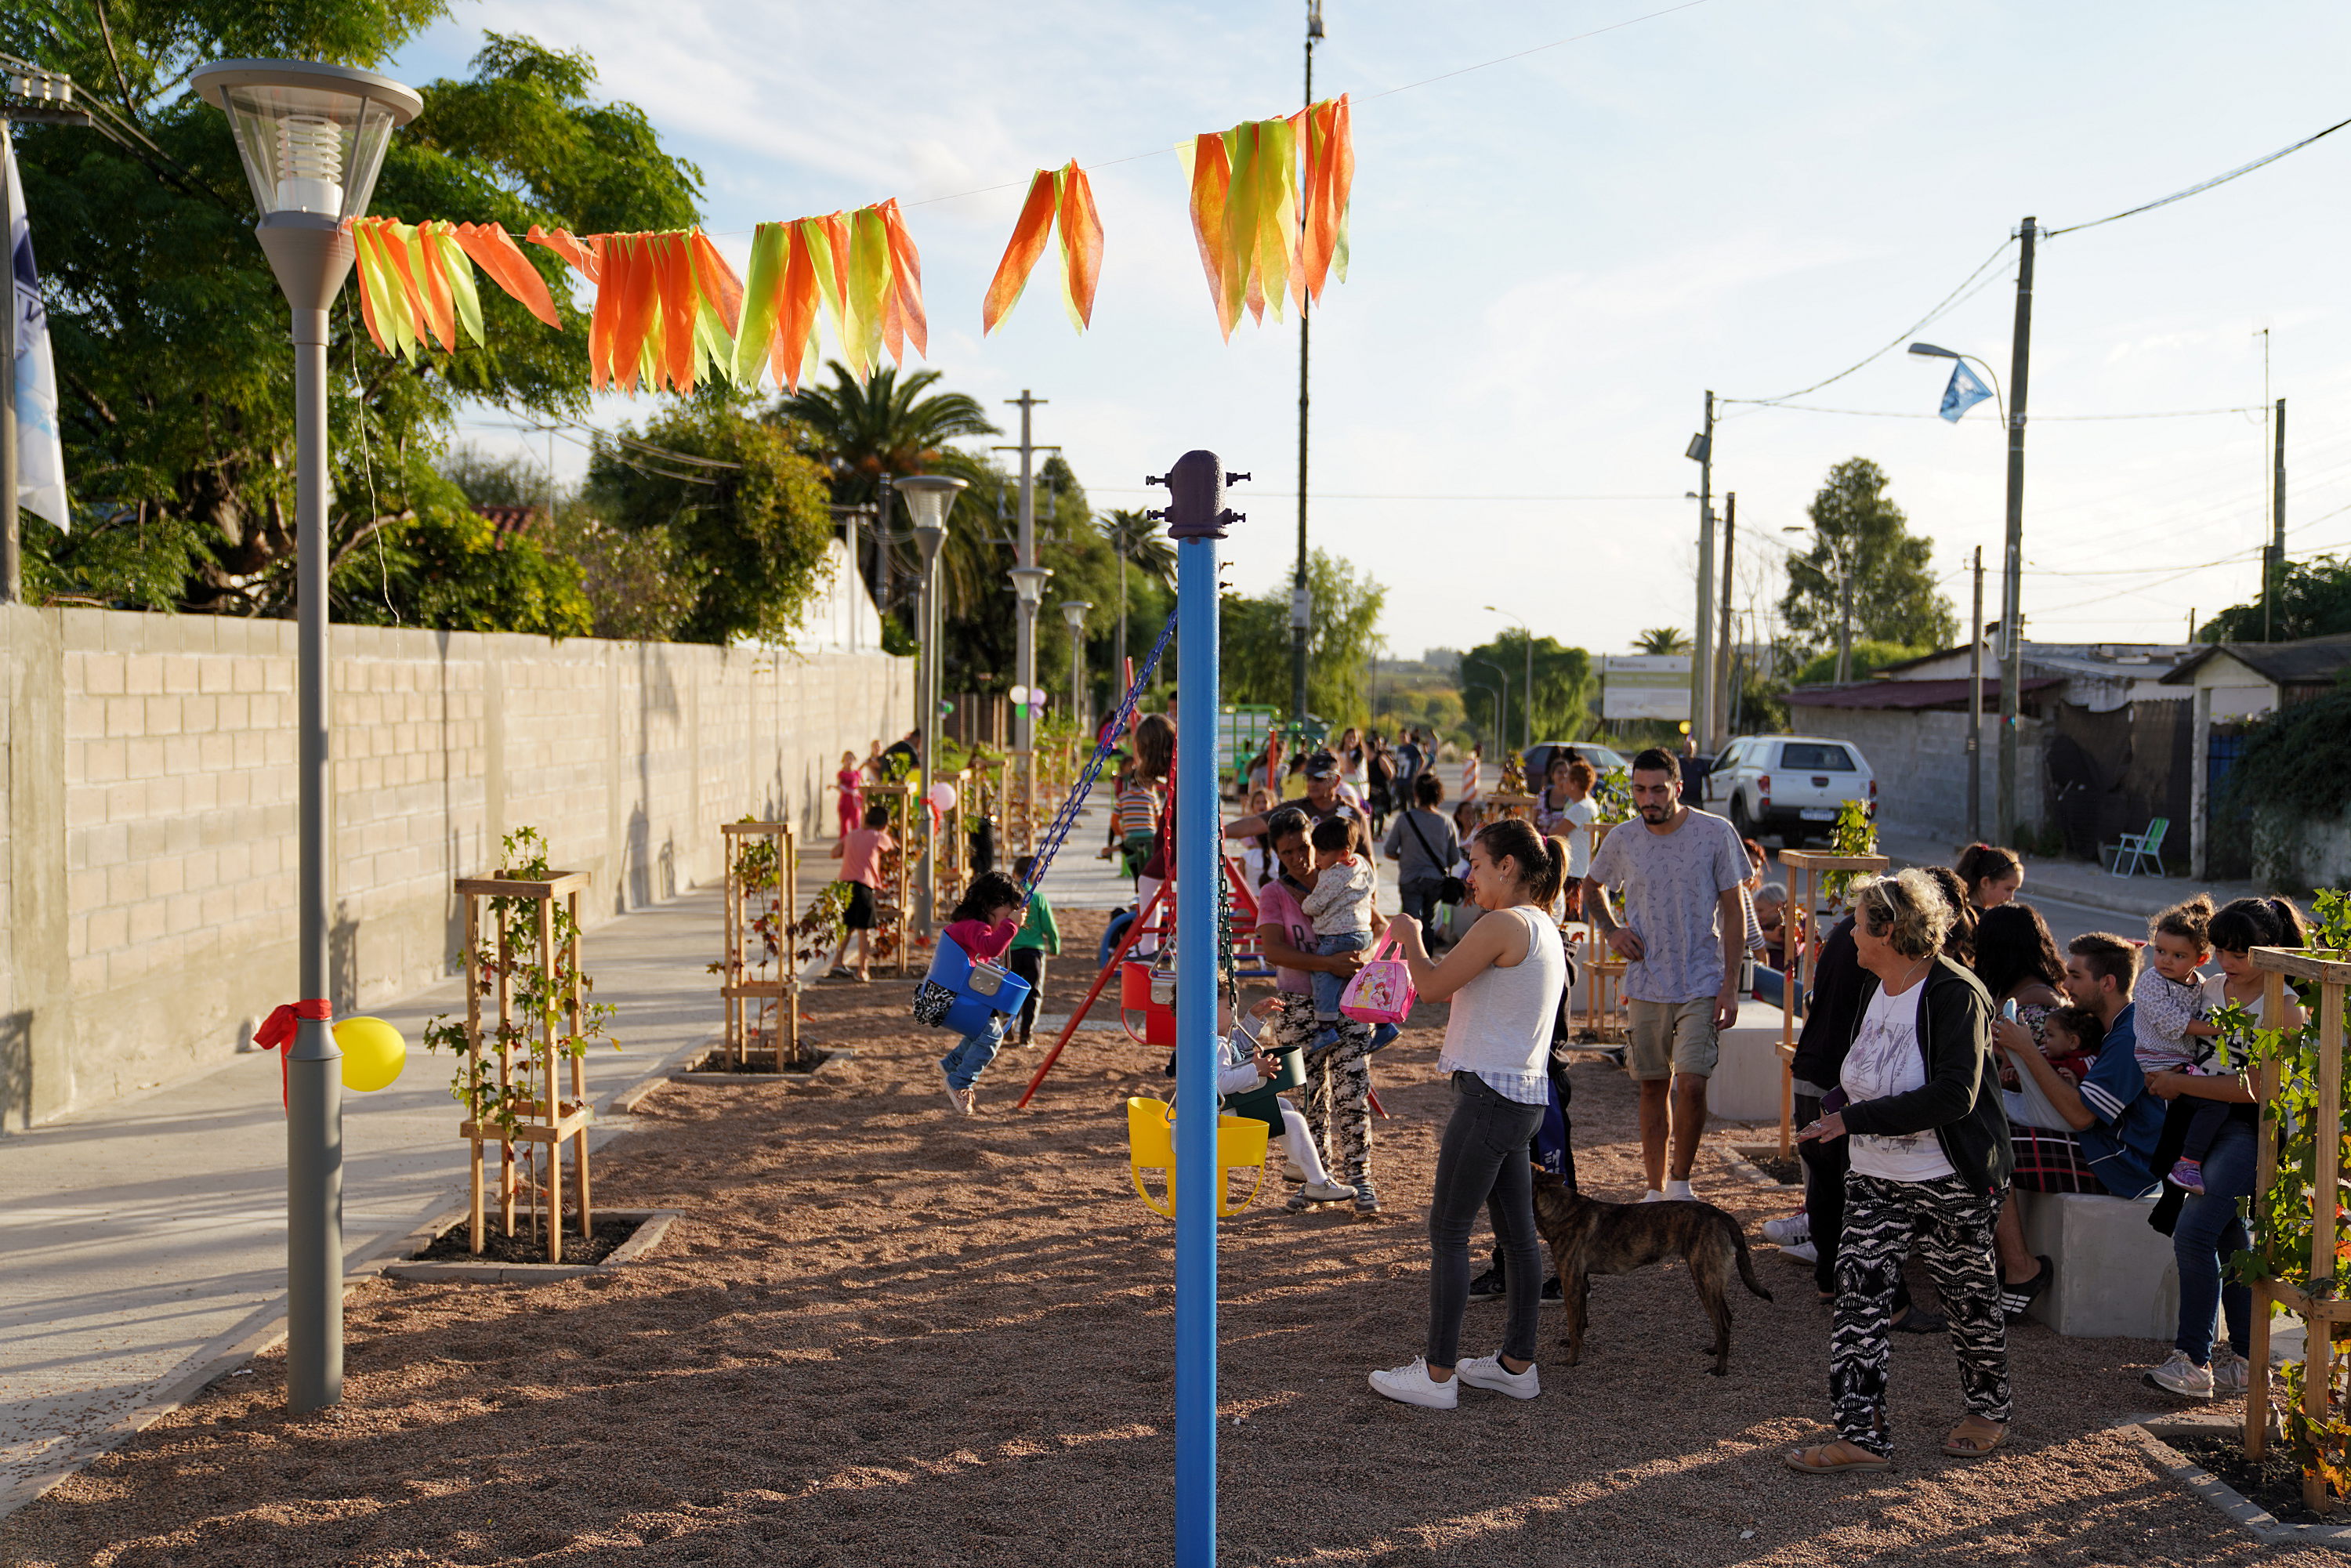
(1918, 1101)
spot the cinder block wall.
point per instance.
(1920, 759)
(150, 810)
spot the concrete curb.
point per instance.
(2150, 1432)
(690, 1074)
(652, 1224)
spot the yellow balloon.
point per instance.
(373, 1054)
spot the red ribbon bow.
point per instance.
(277, 1029)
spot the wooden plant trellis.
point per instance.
(2323, 1311)
(1021, 802)
(759, 983)
(1807, 870)
(534, 1019)
(1606, 1019)
(951, 869)
(897, 868)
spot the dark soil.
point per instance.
(758, 1061)
(2274, 1482)
(1787, 1171)
(523, 1247)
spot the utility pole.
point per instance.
(1722, 652)
(2012, 591)
(12, 560)
(1301, 609)
(1844, 615)
(1975, 708)
(2277, 523)
(1702, 629)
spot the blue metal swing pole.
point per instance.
(1197, 520)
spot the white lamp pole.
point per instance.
(312, 138)
(1028, 584)
(1074, 612)
(928, 498)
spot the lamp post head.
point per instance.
(928, 496)
(311, 136)
(1932, 352)
(1028, 582)
(928, 538)
(1074, 612)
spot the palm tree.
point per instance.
(1661, 640)
(888, 427)
(1134, 537)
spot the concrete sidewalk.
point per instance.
(2076, 882)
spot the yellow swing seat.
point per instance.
(1151, 1145)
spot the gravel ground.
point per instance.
(887, 1336)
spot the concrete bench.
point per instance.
(2114, 1276)
(1746, 1082)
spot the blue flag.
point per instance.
(1964, 392)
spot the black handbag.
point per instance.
(1452, 889)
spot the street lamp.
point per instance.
(2012, 596)
(1073, 612)
(312, 138)
(1028, 582)
(1526, 714)
(1501, 739)
(928, 496)
(1482, 686)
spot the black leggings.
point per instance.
(1029, 963)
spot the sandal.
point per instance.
(1974, 1437)
(2015, 1300)
(1836, 1457)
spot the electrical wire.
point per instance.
(1929, 320)
(2196, 189)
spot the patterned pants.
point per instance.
(1952, 1225)
(1337, 1097)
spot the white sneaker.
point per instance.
(1789, 1228)
(1413, 1385)
(1652, 1196)
(954, 1094)
(2182, 1376)
(2231, 1372)
(1678, 1192)
(1326, 1192)
(1290, 1172)
(1488, 1372)
(1801, 1251)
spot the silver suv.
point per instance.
(1789, 785)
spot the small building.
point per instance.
(2228, 683)
(2102, 742)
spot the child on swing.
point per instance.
(1243, 1072)
(983, 925)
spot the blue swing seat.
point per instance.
(979, 988)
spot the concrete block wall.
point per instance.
(1920, 759)
(150, 810)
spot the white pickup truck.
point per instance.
(1791, 785)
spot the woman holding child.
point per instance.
(1504, 979)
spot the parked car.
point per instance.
(1538, 758)
(1791, 785)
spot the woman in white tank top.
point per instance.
(1504, 978)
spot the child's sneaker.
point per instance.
(2189, 1174)
(1385, 1035)
(1325, 1037)
(1367, 1200)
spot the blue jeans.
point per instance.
(1329, 988)
(2209, 1231)
(969, 1059)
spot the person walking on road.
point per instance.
(1682, 935)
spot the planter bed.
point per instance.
(759, 1067)
(436, 1251)
(2208, 1458)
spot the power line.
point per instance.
(2196, 189)
(1897, 413)
(1923, 323)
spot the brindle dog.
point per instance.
(1588, 1236)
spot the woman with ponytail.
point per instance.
(1504, 978)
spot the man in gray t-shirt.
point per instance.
(1683, 928)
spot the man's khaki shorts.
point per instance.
(1671, 1038)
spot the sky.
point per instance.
(1557, 255)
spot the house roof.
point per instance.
(507, 521)
(2140, 661)
(1909, 694)
(2308, 661)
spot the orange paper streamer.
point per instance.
(1057, 197)
(1270, 200)
(861, 267)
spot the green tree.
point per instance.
(1856, 526)
(739, 501)
(1662, 640)
(1339, 644)
(1136, 539)
(173, 363)
(1866, 657)
(1563, 685)
(638, 587)
(2313, 599)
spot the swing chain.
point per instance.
(1067, 817)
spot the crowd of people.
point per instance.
(1952, 1054)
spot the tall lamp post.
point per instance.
(1482, 686)
(1028, 584)
(1526, 692)
(928, 496)
(1073, 612)
(1501, 739)
(312, 138)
